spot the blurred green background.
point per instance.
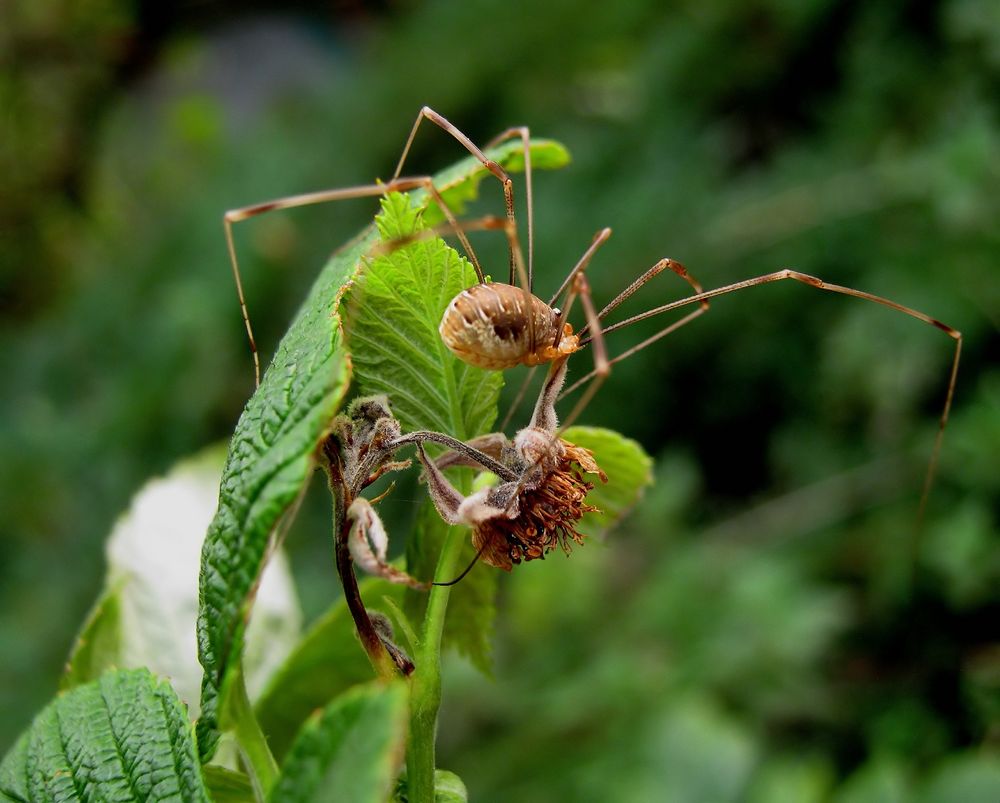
(766, 627)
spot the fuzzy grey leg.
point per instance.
(491, 445)
(446, 499)
(544, 416)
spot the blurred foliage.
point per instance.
(767, 627)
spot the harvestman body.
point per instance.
(499, 326)
(487, 326)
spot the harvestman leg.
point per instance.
(659, 267)
(325, 196)
(599, 239)
(427, 113)
(819, 284)
(525, 136)
(578, 286)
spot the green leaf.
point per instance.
(396, 306)
(327, 661)
(147, 613)
(125, 736)
(98, 646)
(270, 459)
(448, 788)
(629, 471)
(272, 452)
(349, 751)
(227, 786)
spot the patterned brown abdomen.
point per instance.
(487, 326)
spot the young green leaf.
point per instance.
(629, 471)
(125, 736)
(349, 751)
(448, 788)
(396, 307)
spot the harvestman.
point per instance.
(498, 326)
(492, 325)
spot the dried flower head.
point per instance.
(524, 518)
(547, 514)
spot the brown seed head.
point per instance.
(548, 514)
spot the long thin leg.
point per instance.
(324, 196)
(491, 444)
(525, 135)
(544, 415)
(602, 366)
(579, 287)
(474, 455)
(638, 347)
(484, 223)
(658, 268)
(581, 265)
(427, 113)
(819, 284)
(467, 569)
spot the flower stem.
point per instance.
(252, 742)
(425, 691)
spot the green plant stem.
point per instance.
(425, 692)
(252, 742)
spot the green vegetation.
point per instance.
(766, 625)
